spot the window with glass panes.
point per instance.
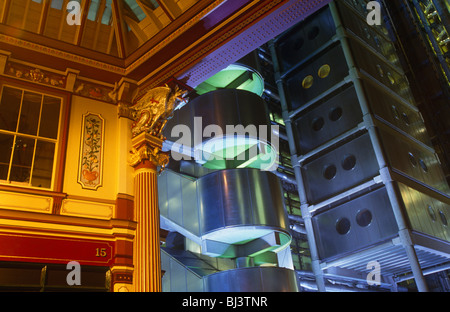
(29, 127)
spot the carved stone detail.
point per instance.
(151, 112)
(147, 147)
(152, 154)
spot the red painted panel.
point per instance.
(27, 248)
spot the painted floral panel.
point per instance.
(91, 151)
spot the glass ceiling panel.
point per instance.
(93, 10)
(134, 6)
(142, 20)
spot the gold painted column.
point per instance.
(149, 117)
(146, 252)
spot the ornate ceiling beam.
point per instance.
(63, 20)
(170, 8)
(43, 17)
(3, 11)
(98, 20)
(119, 28)
(168, 13)
(85, 9)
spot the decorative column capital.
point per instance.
(150, 115)
(147, 148)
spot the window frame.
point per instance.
(60, 141)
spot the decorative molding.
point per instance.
(25, 202)
(35, 75)
(54, 249)
(94, 91)
(45, 224)
(90, 168)
(61, 54)
(88, 209)
(122, 277)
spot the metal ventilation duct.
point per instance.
(224, 129)
(220, 195)
(241, 75)
(256, 279)
(230, 213)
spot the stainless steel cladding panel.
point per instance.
(227, 198)
(240, 197)
(340, 169)
(313, 79)
(177, 278)
(369, 63)
(328, 120)
(371, 35)
(413, 160)
(305, 39)
(223, 108)
(252, 279)
(355, 225)
(426, 214)
(191, 168)
(396, 113)
(177, 196)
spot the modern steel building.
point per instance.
(224, 146)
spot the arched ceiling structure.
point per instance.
(146, 41)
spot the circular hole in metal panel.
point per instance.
(324, 71)
(343, 226)
(364, 218)
(349, 162)
(335, 114)
(308, 82)
(443, 218)
(329, 172)
(431, 213)
(318, 124)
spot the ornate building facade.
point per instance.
(97, 193)
(79, 159)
